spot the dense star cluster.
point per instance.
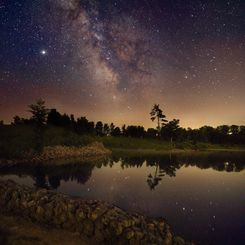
(110, 60)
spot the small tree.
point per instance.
(112, 127)
(157, 114)
(39, 117)
(124, 130)
(106, 129)
(116, 131)
(99, 128)
(54, 117)
(39, 112)
(171, 129)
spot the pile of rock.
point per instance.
(52, 155)
(96, 220)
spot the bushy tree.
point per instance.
(39, 112)
(99, 128)
(83, 126)
(116, 131)
(106, 129)
(135, 131)
(39, 116)
(54, 117)
(151, 132)
(124, 130)
(170, 130)
(234, 130)
(22, 121)
(112, 127)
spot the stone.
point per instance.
(129, 234)
(127, 223)
(80, 215)
(178, 241)
(139, 235)
(40, 214)
(105, 223)
(151, 227)
(88, 227)
(168, 238)
(97, 212)
(161, 226)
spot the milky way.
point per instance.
(111, 60)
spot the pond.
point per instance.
(202, 196)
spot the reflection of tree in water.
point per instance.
(154, 180)
(165, 165)
(50, 176)
(54, 181)
(79, 173)
(39, 177)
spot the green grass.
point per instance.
(60, 136)
(135, 143)
(16, 140)
(129, 143)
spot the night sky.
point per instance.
(112, 60)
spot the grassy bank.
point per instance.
(17, 145)
(17, 141)
(155, 146)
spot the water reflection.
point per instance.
(201, 195)
(51, 176)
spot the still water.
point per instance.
(201, 196)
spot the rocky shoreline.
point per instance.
(98, 221)
(61, 155)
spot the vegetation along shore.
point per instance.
(49, 135)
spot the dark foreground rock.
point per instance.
(95, 220)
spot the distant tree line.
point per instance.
(166, 130)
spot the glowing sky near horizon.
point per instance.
(111, 60)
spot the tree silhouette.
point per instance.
(54, 117)
(99, 128)
(124, 130)
(116, 131)
(135, 131)
(224, 134)
(112, 127)
(234, 129)
(39, 117)
(39, 112)
(106, 129)
(170, 130)
(157, 114)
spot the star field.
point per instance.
(111, 60)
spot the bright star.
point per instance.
(43, 52)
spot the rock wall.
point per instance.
(99, 221)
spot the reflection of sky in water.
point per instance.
(200, 204)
